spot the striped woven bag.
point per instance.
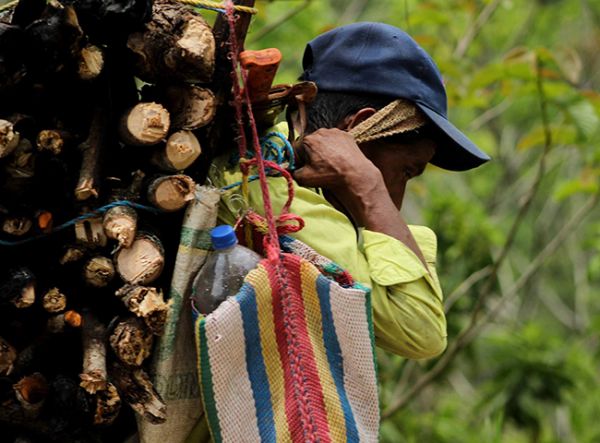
(290, 358)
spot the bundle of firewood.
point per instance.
(102, 105)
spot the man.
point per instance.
(378, 119)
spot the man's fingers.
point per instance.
(302, 154)
(305, 177)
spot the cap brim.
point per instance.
(459, 153)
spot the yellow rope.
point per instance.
(206, 3)
(9, 5)
(219, 5)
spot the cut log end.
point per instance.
(90, 232)
(131, 342)
(8, 355)
(196, 41)
(50, 140)
(182, 149)
(108, 405)
(86, 189)
(143, 262)
(73, 319)
(145, 124)
(93, 381)
(17, 226)
(26, 298)
(146, 303)
(171, 193)
(191, 107)
(120, 223)
(99, 271)
(19, 288)
(22, 162)
(91, 62)
(54, 301)
(58, 323)
(72, 254)
(45, 221)
(31, 392)
(177, 44)
(9, 139)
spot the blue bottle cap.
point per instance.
(223, 236)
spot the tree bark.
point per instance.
(176, 45)
(93, 335)
(8, 355)
(91, 159)
(137, 390)
(18, 288)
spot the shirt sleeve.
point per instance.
(408, 311)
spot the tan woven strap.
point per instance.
(397, 117)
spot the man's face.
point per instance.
(400, 158)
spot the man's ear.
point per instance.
(355, 119)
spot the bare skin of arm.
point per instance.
(366, 182)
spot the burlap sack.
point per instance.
(173, 370)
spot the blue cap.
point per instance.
(375, 58)
(223, 236)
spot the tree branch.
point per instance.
(281, 20)
(473, 330)
(466, 285)
(483, 17)
(527, 199)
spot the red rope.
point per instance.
(310, 426)
(239, 96)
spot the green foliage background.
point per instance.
(519, 237)
(523, 79)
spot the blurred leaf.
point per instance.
(588, 182)
(561, 135)
(571, 64)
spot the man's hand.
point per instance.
(356, 185)
(331, 159)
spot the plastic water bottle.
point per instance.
(224, 270)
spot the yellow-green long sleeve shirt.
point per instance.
(408, 313)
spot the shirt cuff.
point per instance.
(391, 262)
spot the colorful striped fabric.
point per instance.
(289, 359)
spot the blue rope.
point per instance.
(271, 151)
(81, 218)
(239, 183)
(286, 145)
